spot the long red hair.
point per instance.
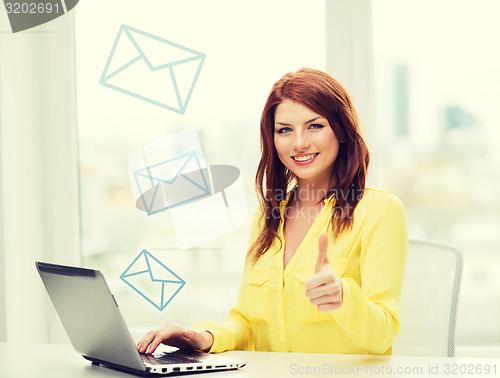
(327, 97)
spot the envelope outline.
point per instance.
(125, 29)
(144, 172)
(148, 256)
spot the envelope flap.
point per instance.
(139, 265)
(170, 290)
(122, 53)
(185, 75)
(168, 170)
(159, 51)
(151, 291)
(160, 272)
(193, 172)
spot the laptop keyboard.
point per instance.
(167, 359)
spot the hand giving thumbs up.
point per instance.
(324, 288)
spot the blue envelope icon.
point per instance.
(152, 69)
(152, 280)
(170, 183)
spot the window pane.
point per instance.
(437, 83)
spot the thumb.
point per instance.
(322, 252)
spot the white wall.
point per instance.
(349, 58)
(39, 187)
(3, 320)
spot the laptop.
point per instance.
(92, 320)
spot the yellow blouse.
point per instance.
(272, 312)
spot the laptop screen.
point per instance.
(89, 314)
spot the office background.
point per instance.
(423, 76)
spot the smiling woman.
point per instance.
(305, 97)
(301, 140)
(328, 259)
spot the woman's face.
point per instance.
(305, 143)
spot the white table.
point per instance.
(61, 361)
